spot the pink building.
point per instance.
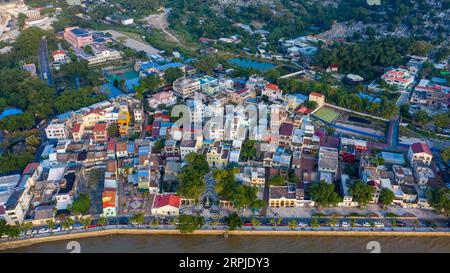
(77, 37)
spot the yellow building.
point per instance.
(123, 122)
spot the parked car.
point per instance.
(303, 225)
(378, 225)
(345, 224)
(77, 226)
(366, 224)
(57, 229)
(401, 224)
(248, 224)
(92, 226)
(44, 230)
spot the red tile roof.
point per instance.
(420, 147)
(112, 144)
(315, 94)
(76, 128)
(31, 168)
(109, 197)
(304, 110)
(58, 52)
(100, 127)
(272, 86)
(166, 200)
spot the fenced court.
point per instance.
(327, 114)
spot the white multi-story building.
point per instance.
(398, 77)
(56, 130)
(185, 87)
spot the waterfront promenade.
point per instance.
(219, 231)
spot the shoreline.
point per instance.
(32, 241)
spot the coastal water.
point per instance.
(244, 244)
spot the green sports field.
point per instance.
(326, 114)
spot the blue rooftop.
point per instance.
(109, 88)
(10, 112)
(80, 32)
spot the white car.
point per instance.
(303, 225)
(366, 224)
(57, 229)
(345, 225)
(44, 230)
(379, 225)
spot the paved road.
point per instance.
(44, 68)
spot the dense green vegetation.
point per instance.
(440, 200)
(233, 221)
(241, 196)
(324, 195)
(81, 204)
(192, 183)
(361, 192)
(189, 223)
(369, 58)
(386, 197)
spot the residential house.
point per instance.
(317, 98)
(57, 130)
(100, 132)
(166, 205)
(185, 87)
(420, 151)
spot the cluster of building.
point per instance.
(80, 39)
(148, 151)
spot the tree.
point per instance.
(113, 130)
(361, 192)
(323, 194)
(81, 204)
(88, 49)
(171, 74)
(102, 221)
(311, 104)
(85, 221)
(292, 224)
(233, 221)
(255, 222)
(137, 219)
(191, 176)
(21, 20)
(445, 153)
(150, 83)
(25, 227)
(439, 199)
(420, 117)
(67, 223)
(265, 98)
(51, 224)
(277, 180)
(442, 120)
(386, 197)
(189, 223)
(154, 223)
(314, 222)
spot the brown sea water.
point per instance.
(243, 244)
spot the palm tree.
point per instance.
(102, 221)
(314, 223)
(255, 222)
(352, 223)
(416, 223)
(154, 222)
(25, 227)
(138, 219)
(332, 222)
(51, 225)
(67, 223)
(293, 224)
(86, 221)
